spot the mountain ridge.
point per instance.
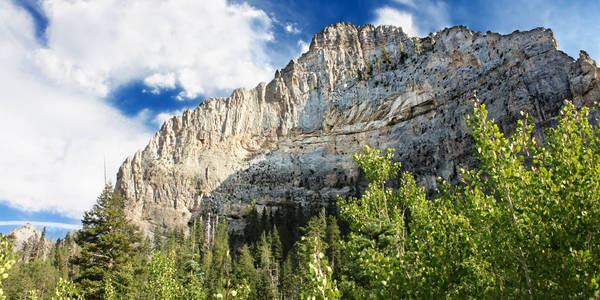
(291, 140)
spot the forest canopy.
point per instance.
(525, 224)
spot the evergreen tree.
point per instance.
(218, 275)
(108, 242)
(37, 277)
(40, 245)
(189, 268)
(245, 273)
(252, 229)
(265, 221)
(289, 285)
(276, 247)
(268, 270)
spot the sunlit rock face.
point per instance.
(29, 243)
(292, 139)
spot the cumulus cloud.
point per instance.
(159, 81)
(203, 46)
(57, 124)
(391, 16)
(417, 18)
(54, 138)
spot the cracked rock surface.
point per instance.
(292, 139)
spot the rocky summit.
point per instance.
(292, 139)
(29, 243)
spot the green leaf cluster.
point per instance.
(526, 224)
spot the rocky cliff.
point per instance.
(29, 243)
(292, 139)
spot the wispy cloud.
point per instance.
(42, 224)
(291, 28)
(410, 3)
(417, 18)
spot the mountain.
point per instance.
(29, 243)
(291, 140)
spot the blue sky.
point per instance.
(85, 82)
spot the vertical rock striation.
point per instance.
(292, 139)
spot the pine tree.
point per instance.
(268, 270)
(245, 273)
(288, 282)
(40, 245)
(276, 247)
(189, 260)
(252, 229)
(219, 275)
(265, 221)
(107, 241)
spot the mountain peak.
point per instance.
(291, 140)
(29, 243)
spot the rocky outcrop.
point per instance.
(292, 139)
(29, 243)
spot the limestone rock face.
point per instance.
(292, 139)
(27, 241)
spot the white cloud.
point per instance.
(42, 224)
(291, 28)
(160, 81)
(160, 118)
(56, 125)
(304, 46)
(418, 18)
(54, 138)
(206, 46)
(391, 16)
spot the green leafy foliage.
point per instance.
(7, 260)
(538, 204)
(162, 282)
(320, 284)
(399, 244)
(524, 225)
(66, 290)
(37, 277)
